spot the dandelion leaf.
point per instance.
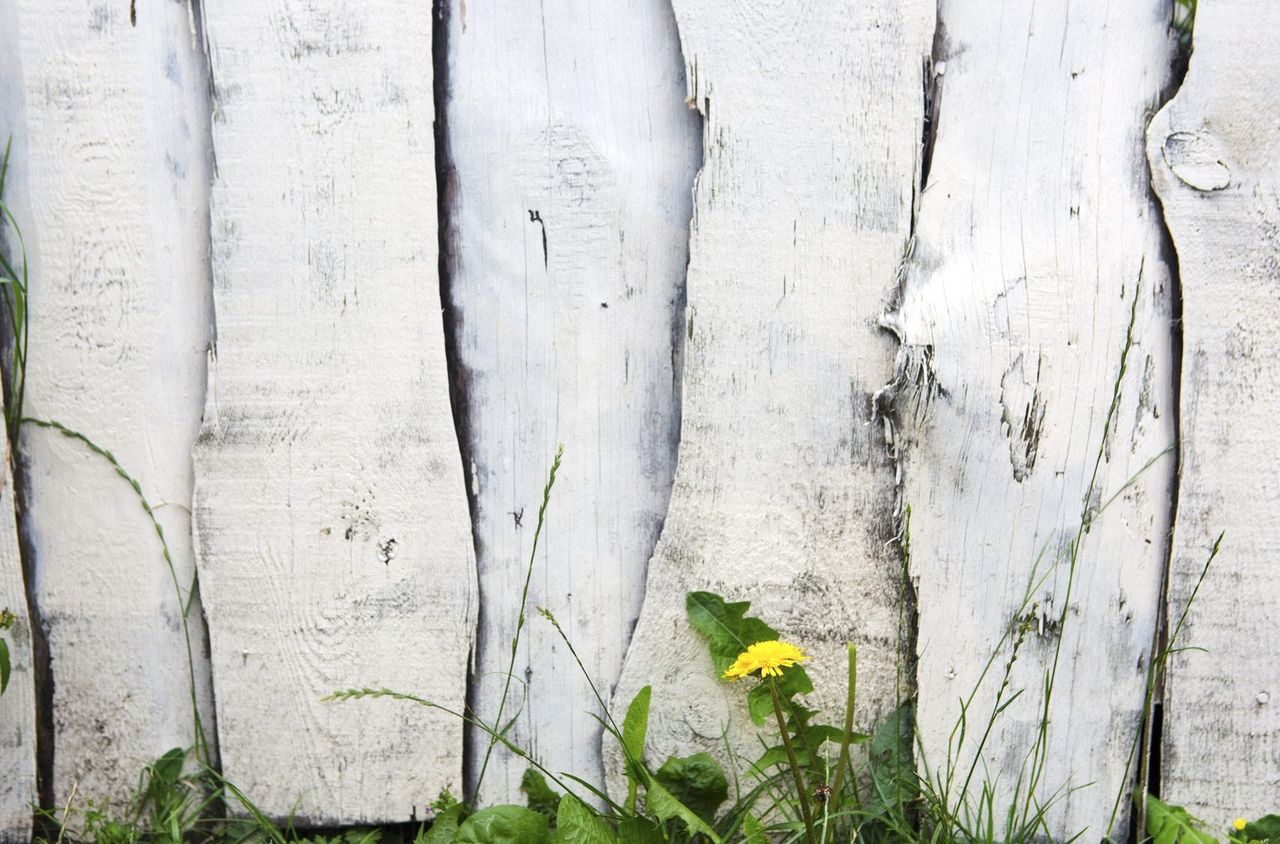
(576, 823)
(504, 825)
(1169, 824)
(697, 781)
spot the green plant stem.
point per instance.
(846, 739)
(801, 792)
(184, 606)
(524, 602)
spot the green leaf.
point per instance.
(1266, 828)
(504, 825)
(636, 830)
(634, 728)
(697, 781)
(5, 668)
(576, 823)
(540, 797)
(664, 806)
(894, 782)
(444, 828)
(1168, 824)
(728, 629)
(753, 831)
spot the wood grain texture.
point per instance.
(1036, 232)
(18, 703)
(1213, 152)
(332, 529)
(570, 165)
(110, 184)
(784, 491)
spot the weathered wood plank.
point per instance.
(784, 492)
(570, 164)
(1036, 233)
(1213, 152)
(109, 181)
(18, 703)
(332, 529)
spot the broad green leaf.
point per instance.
(636, 830)
(728, 629)
(794, 681)
(664, 806)
(1167, 824)
(697, 781)
(504, 825)
(444, 828)
(576, 823)
(5, 668)
(540, 796)
(634, 728)
(1266, 828)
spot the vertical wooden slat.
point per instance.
(18, 703)
(332, 528)
(784, 492)
(1213, 153)
(1036, 233)
(109, 181)
(569, 165)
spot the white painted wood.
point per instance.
(109, 182)
(784, 492)
(1036, 231)
(1213, 152)
(332, 527)
(571, 163)
(18, 703)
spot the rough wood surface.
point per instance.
(784, 491)
(1213, 153)
(569, 171)
(332, 530)
(18, 703)
(110, 182)
(1036, 232)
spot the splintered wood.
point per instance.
(1039, 507)
(784, 491)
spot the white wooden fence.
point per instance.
(332, 279)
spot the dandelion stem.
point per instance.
(801, 792)
(843, 764)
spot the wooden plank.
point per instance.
(1212, 151)
(332, 527)
(109, 183)
(1036, 233)
(18, 703)
(570, 163)
(784, 492)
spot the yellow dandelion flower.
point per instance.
(767, 658)
(1240, 824)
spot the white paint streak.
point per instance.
(110, 183)
(784, 490)
(1036, 232)
(332, 528)
(572, 164)
(1213, 153)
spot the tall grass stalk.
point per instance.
(524, 602)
